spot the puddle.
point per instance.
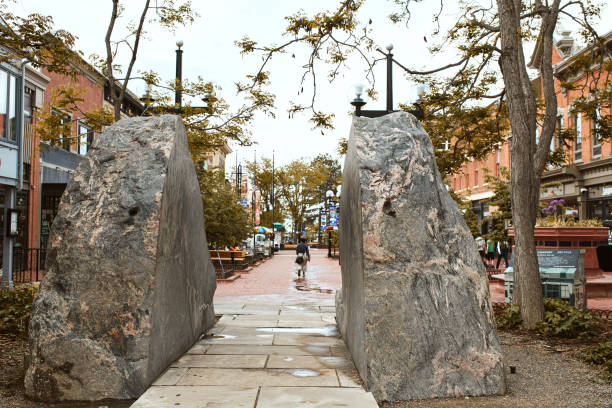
(302, 286)
(300, 372)
(288, 359)
(327, 331)
(218, 336)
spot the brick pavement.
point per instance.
(276, 280)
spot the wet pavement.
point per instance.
(276, 280)
(275, 344)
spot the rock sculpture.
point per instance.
(129, 282)
(414, 308)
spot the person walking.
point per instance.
(303, 252)
(502, 252)
(490, 252)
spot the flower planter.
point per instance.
(587, 238)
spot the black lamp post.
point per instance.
(178, 93)
(358, 103)
(178, 90)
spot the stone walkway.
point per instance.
(265, 353)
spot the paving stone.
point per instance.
(198, 397)
(313, 362)
(171, 376)
(314, 397)
(198, 349)
(236, 336)
(290, 339)
(239, 321)
(225, 309)
(288, 322)
(222, 361)
(349, 377)
(270, 350)
(259, 377)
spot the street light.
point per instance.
(358, 103)
(329, 195)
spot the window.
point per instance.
(596, 134)
(14, 101)
(497, 161)
(555, 142)
(9, 105)
(85, 138)
(3, 101)
(445, 146)
(63, 138)
(578, 131)
(475, 175)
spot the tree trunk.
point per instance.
(525, 180)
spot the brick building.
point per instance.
(585, 179)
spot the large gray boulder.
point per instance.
(414, 308)
(129, 282)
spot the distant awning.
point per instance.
(480, 196)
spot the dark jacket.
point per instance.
(302, 248)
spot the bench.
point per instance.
(234, 258)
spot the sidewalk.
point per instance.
(275, 346)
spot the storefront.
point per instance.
(10, 138)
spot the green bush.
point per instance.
(564, 320)
(509, 318)
(601, 354)
(15, 308)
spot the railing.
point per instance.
(28, 264)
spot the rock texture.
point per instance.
(129, 284)
(414, 308)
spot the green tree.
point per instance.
(34, 39)
(265, 184)
(296, 190)
(326, 174)
(491, 65)
(227, 222)
(469, 216)
(502, 216)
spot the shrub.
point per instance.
(509, 317)
(601, 354)
(15, 308)
(564, 320)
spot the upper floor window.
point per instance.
(596, 134)
(445, 147)
(64, 136)
(578, 142)
(85, 138)
(475, 176)
(497, 161)
(9, 102)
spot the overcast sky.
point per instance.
(209, 51)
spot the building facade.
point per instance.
(584, 181)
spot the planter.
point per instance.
(587, 238)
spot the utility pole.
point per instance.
(273, 200)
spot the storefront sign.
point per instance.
(8, 162)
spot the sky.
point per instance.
(209, 52)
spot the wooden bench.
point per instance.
(234, 258)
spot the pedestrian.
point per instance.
(490, 251)
(303, 253)
(502, 250)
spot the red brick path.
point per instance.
(276, 279)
